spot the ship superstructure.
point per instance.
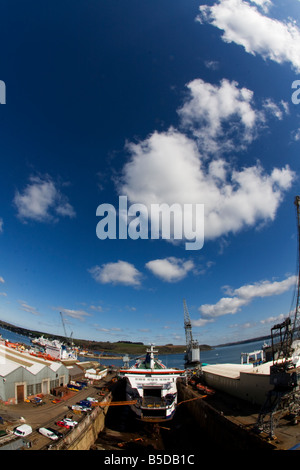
(151, 388)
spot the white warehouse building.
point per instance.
(23, 375)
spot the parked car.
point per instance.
(62, 424)
(46, 432)
(85, 403)
(92, 400)
(66, 423)
(80, 408)
(58, 433)
(23, 430)
(70, 422)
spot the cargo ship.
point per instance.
(151, 388)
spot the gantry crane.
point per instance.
(284, 398)
(192, 355)
(69, 339)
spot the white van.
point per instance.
(23, 430)
(46, 432)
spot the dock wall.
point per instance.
(223, 432)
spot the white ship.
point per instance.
(55, 349)
(151, 388)
(60, 351)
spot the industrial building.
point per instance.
(246, 381)
(23, 375)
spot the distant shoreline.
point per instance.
(127, 347)
(245, 341)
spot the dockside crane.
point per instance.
(69, 339)
(284, 397)
(192, 355)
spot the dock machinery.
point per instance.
(192, 355)
(284, 397)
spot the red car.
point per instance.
(62, 424)
(66, 423)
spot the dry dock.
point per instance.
(216, 420)
(229, 422)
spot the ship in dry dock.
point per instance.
(151, 388)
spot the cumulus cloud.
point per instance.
(208, 108)
(263, 288)
(244, 295)
(2, 280)
(168, 167)
(170, 269)
(243, 24)
(120, 272)
(42, 201)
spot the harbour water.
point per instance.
(218, 355)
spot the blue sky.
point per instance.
(169, 101)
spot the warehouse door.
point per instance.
(20, 393)
(45, 387)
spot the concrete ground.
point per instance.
(47, 414)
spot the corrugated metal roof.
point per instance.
(10, 360)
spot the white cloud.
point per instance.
(1, 225)
(209, 108)
(212, 64)
(28, 308)
(77, 314)
(170, 269)
(274, 319)
(120, 272)
(202, 321)
(263, 4)
(2, 280)
(243, 24)
(244, 295)
(97, 308)
(42, 201)
(168, 167)
(4, 294)
(264, 288)
(296, 135)
(108, 330)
